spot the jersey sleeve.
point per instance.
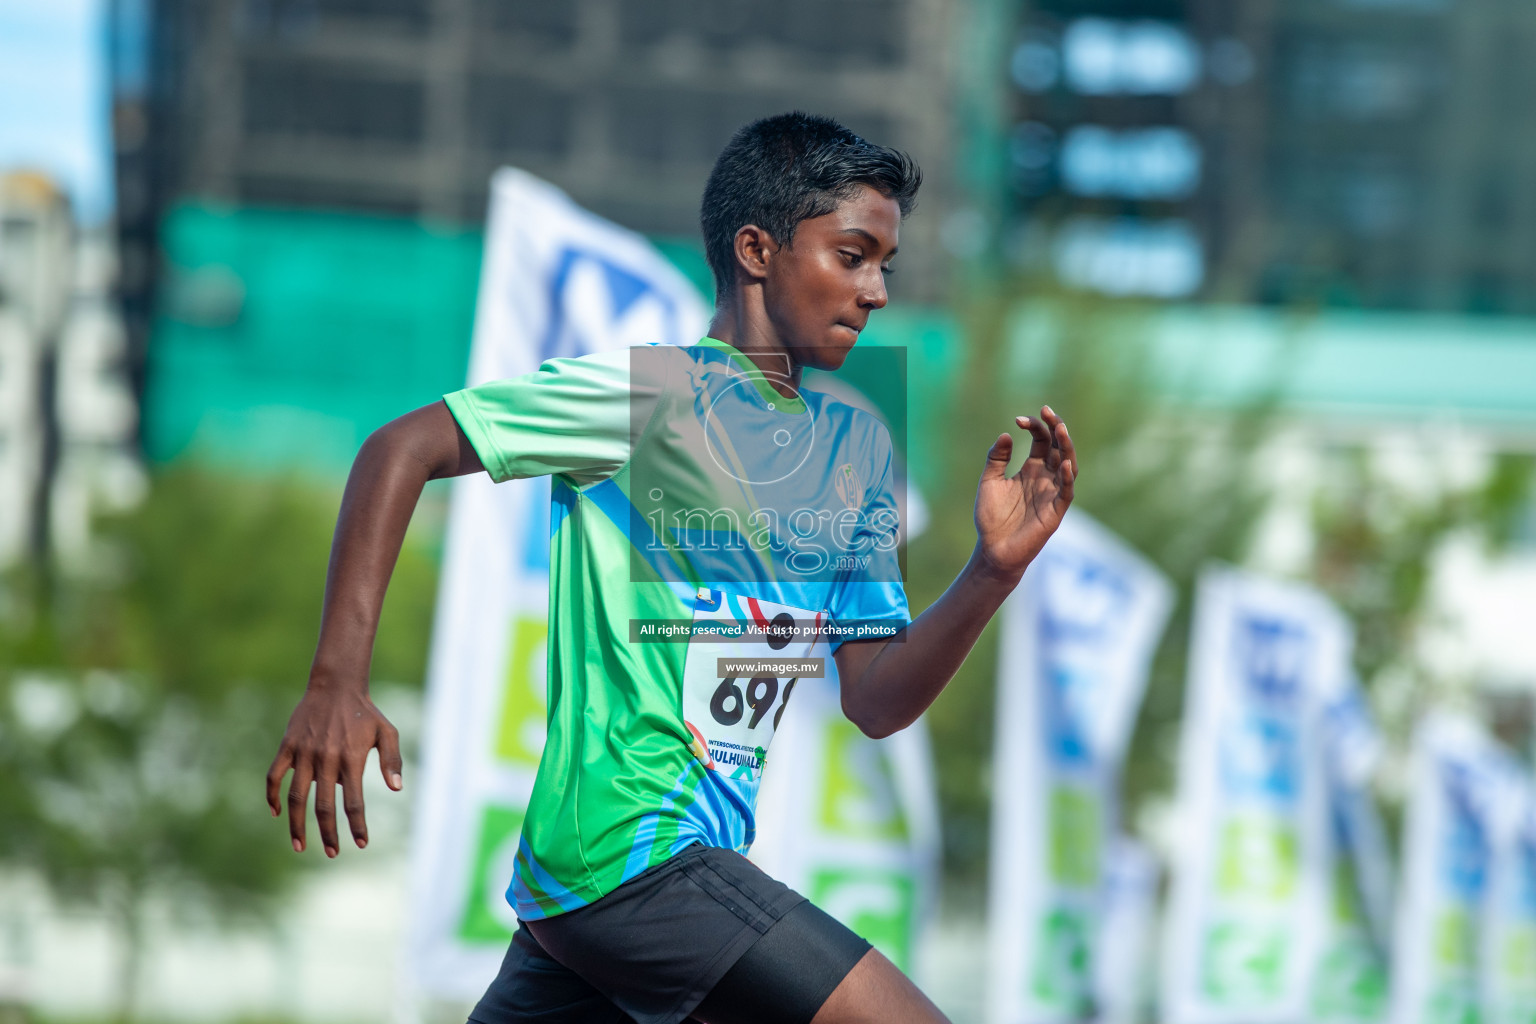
(579, 418)
(875, 595)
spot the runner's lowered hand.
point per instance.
(327, 742)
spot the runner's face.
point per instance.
(820, 291)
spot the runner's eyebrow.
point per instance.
(871, 239)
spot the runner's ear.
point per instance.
(754, 249)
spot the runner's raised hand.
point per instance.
(1016, 515)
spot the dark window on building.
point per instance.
(1170, 9)
(404, 15)
(1510, 78)
(291, 97)
(519, 116)
(716, 24)
(299, 17)
(843, 32)
(678, 125)
(475, 196)
(1493, 203)
(549, 22)
(1376, 201)
(1360, 80)
(1486, 291)
(651, 218)
(687, 126)
(272, 190)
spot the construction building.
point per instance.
(406, 106)
(68, 420)
(1358, 153)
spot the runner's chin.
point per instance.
(841, 341)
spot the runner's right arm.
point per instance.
(336, 724)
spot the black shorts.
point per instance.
(705, 930)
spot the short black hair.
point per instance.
(781, 170)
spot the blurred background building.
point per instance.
(407, 106)
(1354, 153)
(68, 419)
(1324, 154)
(35, 272)
(253, 123)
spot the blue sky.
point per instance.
(54, 112)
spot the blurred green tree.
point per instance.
(1177, 484)
(140, 705)
(1185, 483)
(1376, 540)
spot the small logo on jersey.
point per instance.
(708, 600)
(849, 489)
(699, 747)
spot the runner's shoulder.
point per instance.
(628, 366)
(862, 424)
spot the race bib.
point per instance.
(744, 658)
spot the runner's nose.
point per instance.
(873, 294)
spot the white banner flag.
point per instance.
(1509, 926)
(1250, 883)
(556, 280)
(1123, 964)
(1456, 781)
(851, 823)
(1078, 637)
(1349, 984)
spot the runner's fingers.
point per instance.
(1062, 450)
(298, 801)
(1064, 442)
(352, 803)
(325, 807)
(1039, 435)
(280, 765)
(389, 756)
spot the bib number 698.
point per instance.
(730, 702)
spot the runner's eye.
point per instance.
(853, 258)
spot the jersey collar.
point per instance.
(751, 371)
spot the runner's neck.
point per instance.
(770, 355)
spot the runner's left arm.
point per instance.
(887, 683)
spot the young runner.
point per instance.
(698, 496)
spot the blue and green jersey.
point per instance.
(712, 541)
